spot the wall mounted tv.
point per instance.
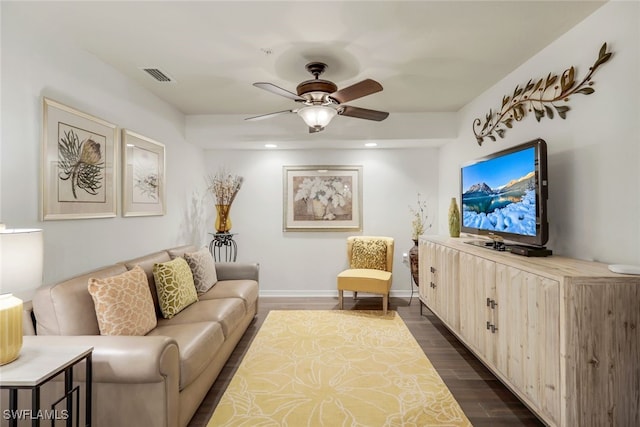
(505, 194)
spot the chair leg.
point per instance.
(340, 299)
(385, 303)
(355, 295)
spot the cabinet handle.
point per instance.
(491, 303)
(493, 329)
(433, 285)
(433, 270)
(489, 325)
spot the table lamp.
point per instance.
(21, 256)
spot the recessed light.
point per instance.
(370, 144)
(270, 146)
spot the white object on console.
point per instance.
(625, 269)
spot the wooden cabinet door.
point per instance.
(477, 279)
(528, 342)
(423, 263)
(427, 255)
(447, 277)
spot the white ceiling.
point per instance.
(430, 56)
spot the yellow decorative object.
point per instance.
(175, 286)
(224, 187)
(223, 221)
(370, 254)
(10, 328)
(454, 218)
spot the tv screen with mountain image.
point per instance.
(505, 194)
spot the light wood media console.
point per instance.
(562, 334)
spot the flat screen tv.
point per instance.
(505, 194)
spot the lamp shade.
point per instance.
(21, 257)
(317, 116)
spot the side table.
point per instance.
(223, 240)
(37, 365)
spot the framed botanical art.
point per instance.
(78, 164)
(143, 177)
(322, 198)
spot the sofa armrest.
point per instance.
(124, 359)
(28, 319)
(237, 271)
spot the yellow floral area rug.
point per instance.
(321, 368)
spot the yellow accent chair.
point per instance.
(370, 265)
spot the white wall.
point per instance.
(306, 263)
(32, 68)
(593, 161)
(594, 155)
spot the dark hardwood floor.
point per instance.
(484, 399)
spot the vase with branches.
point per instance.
(224, 187)
(419, 219)
(419, 224)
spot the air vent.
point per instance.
(158, 75)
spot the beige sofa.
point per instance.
(159, 379)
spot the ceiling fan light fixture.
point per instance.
(317, 116)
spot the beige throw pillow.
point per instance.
(174, 283)
(370, 254)
(123, 303)
(203, 268)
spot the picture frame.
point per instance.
(79, 163)
(322, 198)
(143, 175)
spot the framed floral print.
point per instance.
(143, 176)
(322, 198)
(78, 164)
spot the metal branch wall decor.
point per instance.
(541, 97)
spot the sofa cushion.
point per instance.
(198, 343)
(123, 303)
(179, 251)
(229, 312)
(66, 308)
(371, 254)
(203, 268)
(174, 283)
(247, 290)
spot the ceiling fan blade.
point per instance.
(269, 115)
(355, 91)
(363, 113)
(278, 91)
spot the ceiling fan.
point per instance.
(322, 101)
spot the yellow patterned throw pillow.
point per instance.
(123, 303)
(370, 254)
(174, 283)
